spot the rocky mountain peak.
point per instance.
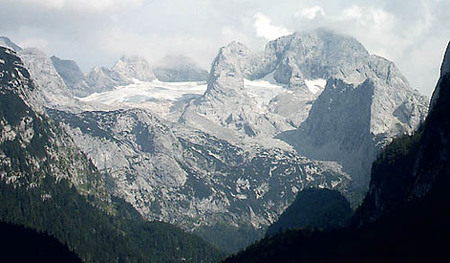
(72, 76)
(6, 42)
(127, 70)
(133, 67)
(445, 69)
(16, 79)
(67, 68)
(54, 91)
(103, 79)
(296, 67)
(316, 54)
(231, 60)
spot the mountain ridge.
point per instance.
(404, 215)
(48, 184)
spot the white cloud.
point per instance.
(100, 5)
(81, 5)
(353, 12)
(265, 28)
(232, 33)
(38, 43)
(311, 13)
(366, 16)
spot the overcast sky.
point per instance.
(412, 33)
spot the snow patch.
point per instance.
(142, 92)
(315, 85)
(263, 91)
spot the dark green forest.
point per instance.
(314, 208)
(57, 209)
(20, 244)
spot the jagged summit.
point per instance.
(133, 67)
(51, 86)
(316, 54)
(296, 62)
(127, 70)
(6, 42)
(72, 76)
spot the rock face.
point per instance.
(189, 178)
(32, 146)
(413, 166)
(179, 69)
(103, 79)
(358, 112)
(349, 123)
(51, 86)
(125, 71)
(72, 76)
(445, 67)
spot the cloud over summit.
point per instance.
(266, 29)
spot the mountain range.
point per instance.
(224, 155)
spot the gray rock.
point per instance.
(181, 175)
(32, 146)
(51, 86)
(72, 76)
(102, 79)
(126, 70)
(350, 123)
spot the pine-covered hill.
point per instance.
(48, 185)
(314, 208)
(57, 209)
(404, 216)
(20, 244)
